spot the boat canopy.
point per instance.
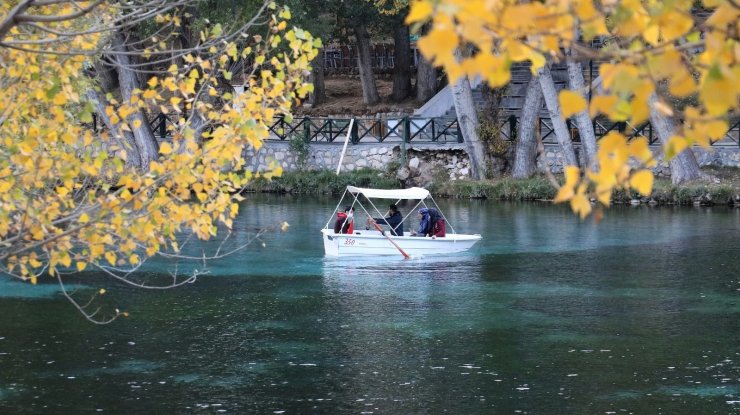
(411, 193)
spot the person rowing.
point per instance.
(393, 219)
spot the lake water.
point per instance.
(547, 315)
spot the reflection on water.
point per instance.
(546, 314)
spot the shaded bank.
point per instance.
(724, 189)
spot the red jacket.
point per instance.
(439, 228)
(343, 225)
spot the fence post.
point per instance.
(459, 131)
(162, 125)
(354, 132)
(306, 129)
(569, 125)
(512, 127)
(406, 130)
(596, 134)
(95, 122)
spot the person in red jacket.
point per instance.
(439, 229)
(431, 224)
(345, 221)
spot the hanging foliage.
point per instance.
(667, 50)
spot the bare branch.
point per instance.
(10, 20)
(60, 18)
(81, 308)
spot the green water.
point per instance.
(548, 315)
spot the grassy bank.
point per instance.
(724, 190)
(323, 182)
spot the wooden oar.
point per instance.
(405, 255)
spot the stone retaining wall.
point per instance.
(721, 156)
(415, 162)
(419, 160)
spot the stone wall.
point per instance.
(323, 156)
(419, 160)
(721, 156)
(419, 163)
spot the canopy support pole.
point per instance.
(344, 148)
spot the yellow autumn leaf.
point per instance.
(716, 129)
(65, 259)
(571, 103)
(421, 10)
(604, 195)
(718, 93)
(642, 181)
(111, 257)
(60, 98)
(81, 265)
(572, 175)
(682, 85)
(602, 104)
(674, 146)
(149, 94)
(652, 34)
(439, 45)
(678, 25)
(640, 149)
(165, 148)
(567, 190)
(580, 205)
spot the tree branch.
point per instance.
(60, 18)
(10, 20)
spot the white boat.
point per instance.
(373, 242)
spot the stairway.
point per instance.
(441, 105)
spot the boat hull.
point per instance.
(372, 243)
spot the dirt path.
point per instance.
(344, 96)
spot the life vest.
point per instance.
(343, 224)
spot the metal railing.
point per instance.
(424, 130)
(369, 130)
(602, 127)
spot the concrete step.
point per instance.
(521, 74)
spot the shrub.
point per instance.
(299, 147)
(322, 182)
(534, 188)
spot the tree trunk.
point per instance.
(583, 121)
(426, 80)
(553, 107)
(369, 90)
(684, 166)
(125, 139)
(318, 96)
(401, 63)
(198, 125)
(526, 147)
(462, 95)
(143, 134)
